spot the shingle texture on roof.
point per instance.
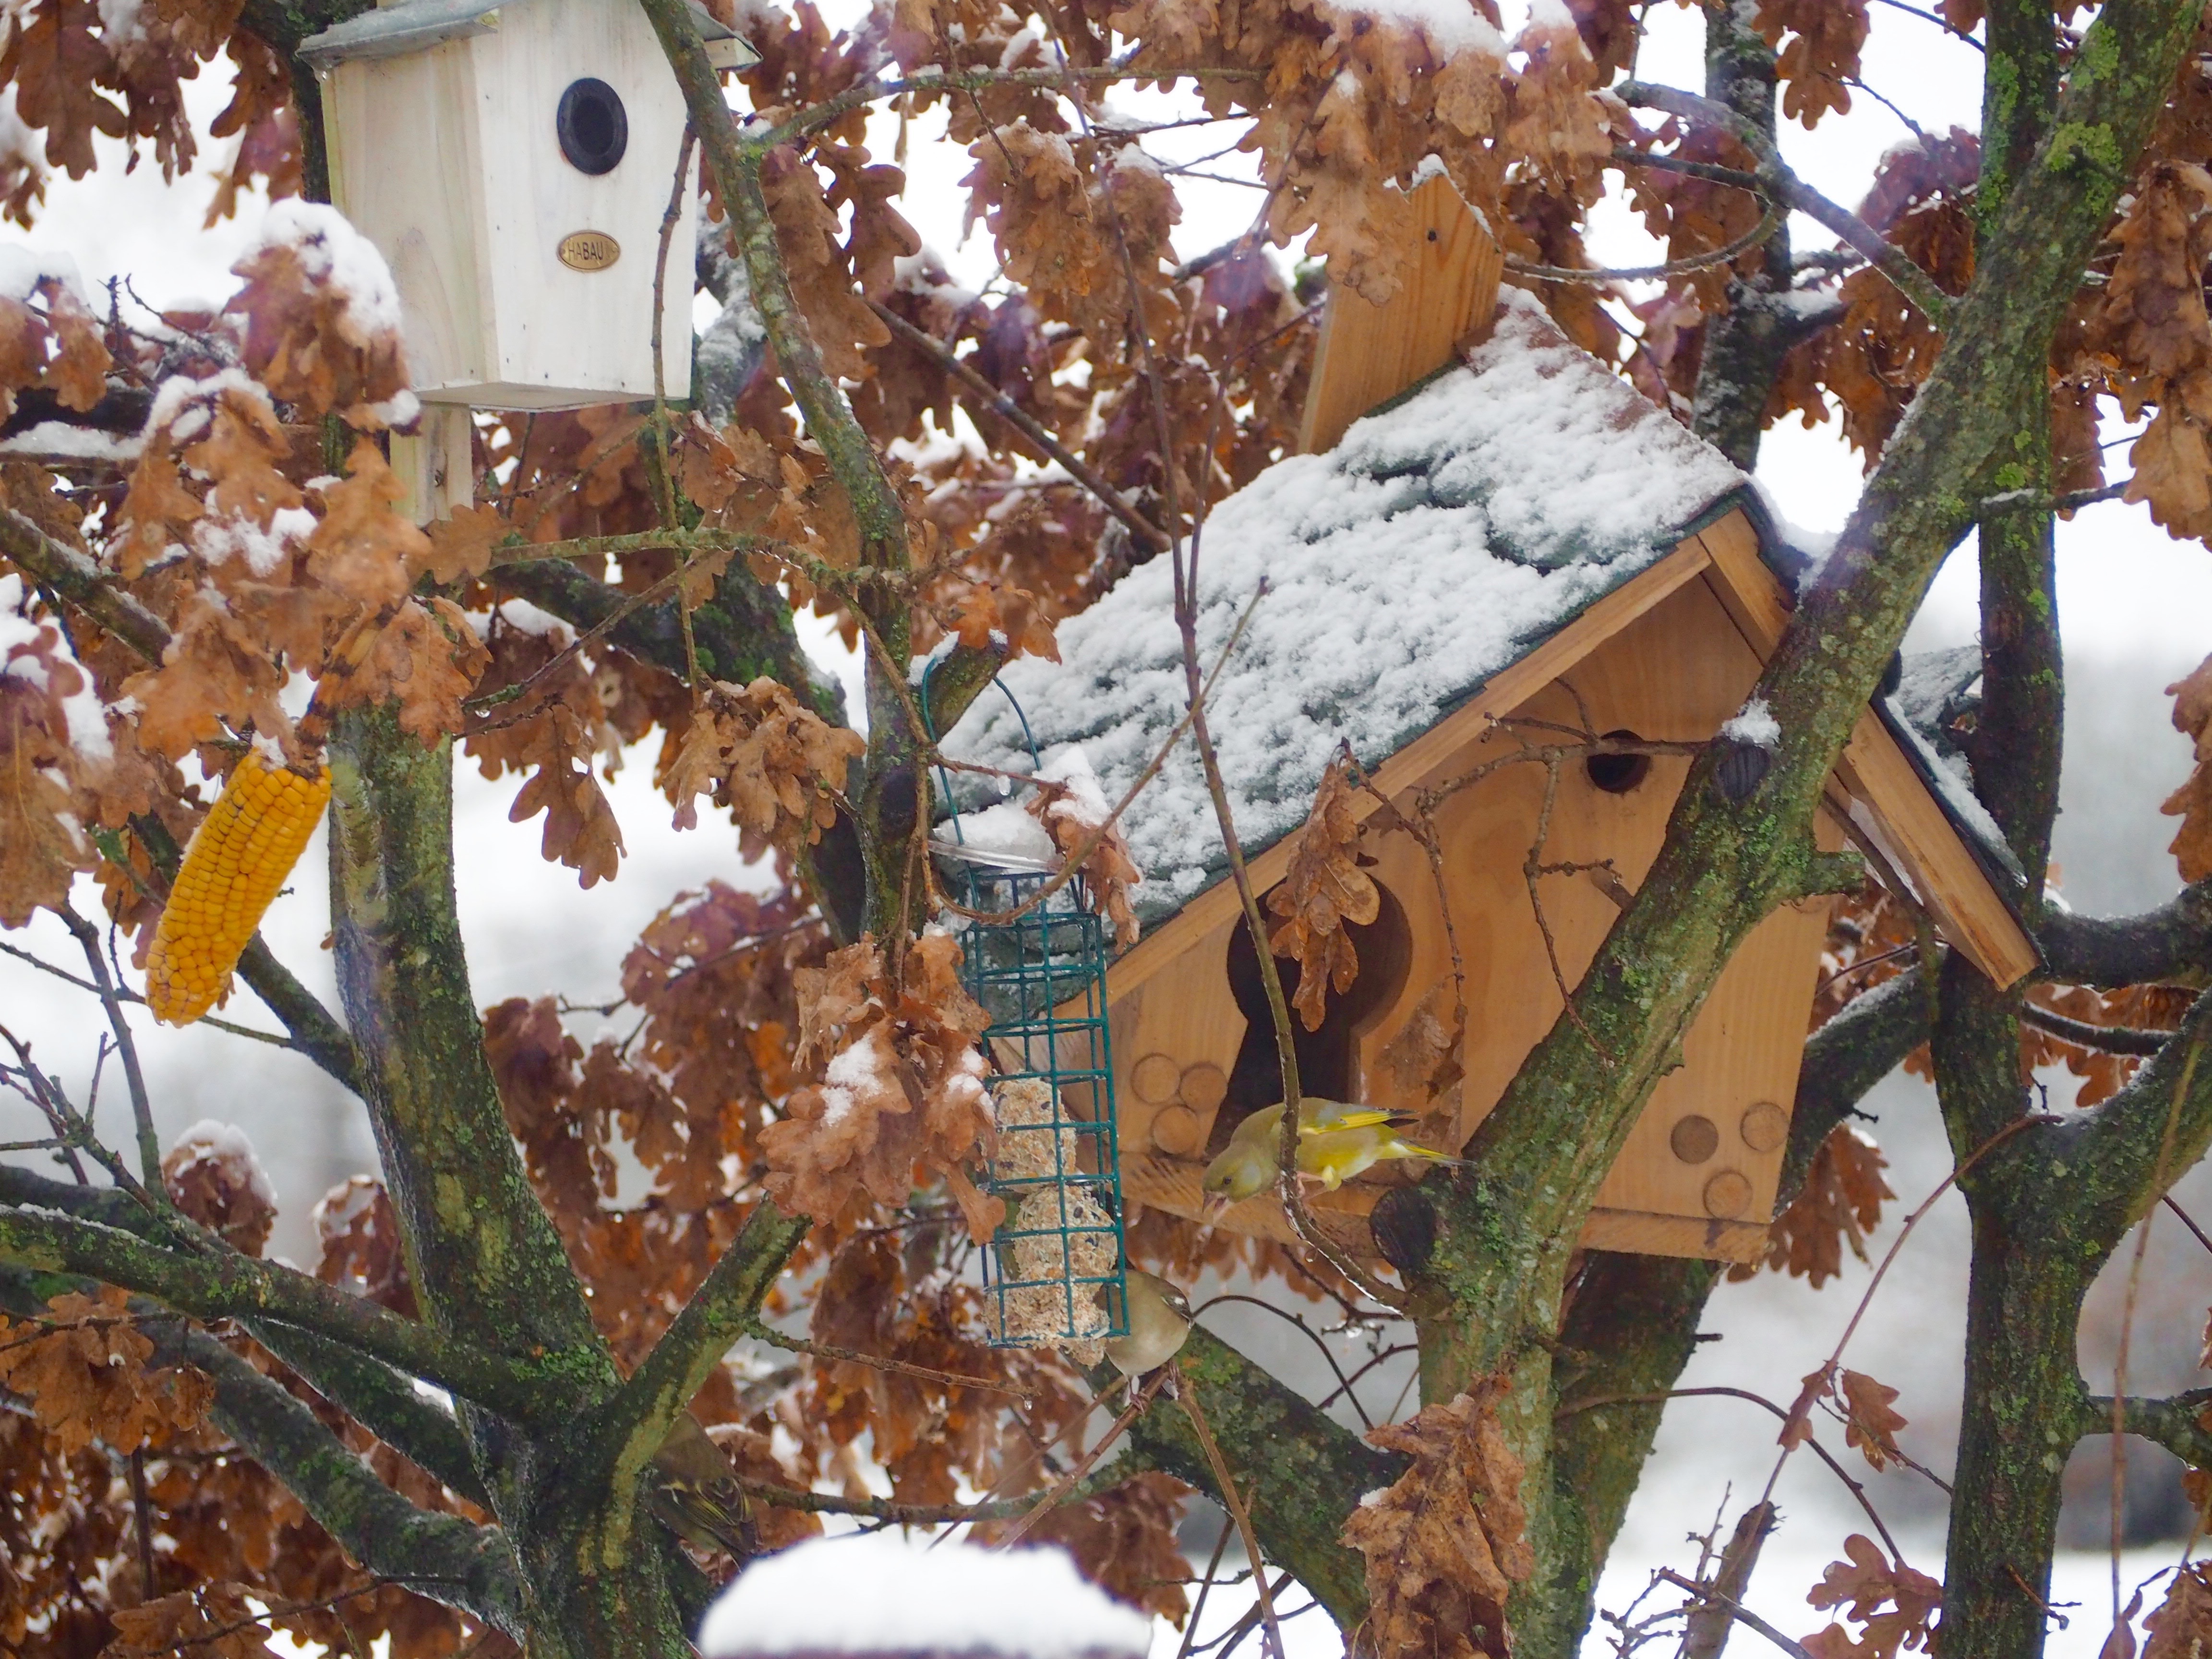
(1445, 538)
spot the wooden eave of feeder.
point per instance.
(1514, 534)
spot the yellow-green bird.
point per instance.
(1160, 1324)
(696, 1494)
(1336, 1141)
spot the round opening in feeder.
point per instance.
(593, 125)
(1616, 774)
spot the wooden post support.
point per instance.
(1368, 353)
(435, 463)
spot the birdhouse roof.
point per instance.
(1446, 537)
(417, 25)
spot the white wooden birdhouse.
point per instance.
(513, 161)
(1518, 538)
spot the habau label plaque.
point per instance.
(589, 250)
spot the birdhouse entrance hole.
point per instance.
(592, 126)
(1616, 774)
(1329, 1063)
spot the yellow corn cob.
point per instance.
(240, 857)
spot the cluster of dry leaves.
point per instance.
(1323, 888)
(1445, 1543)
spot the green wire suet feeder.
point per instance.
(1055, 1273)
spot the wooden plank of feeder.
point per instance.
(1368, 354)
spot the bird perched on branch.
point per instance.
(1336, 1141)
(696, 1494)
(1160, 1324)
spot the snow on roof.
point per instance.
(1933, 687)
(1448, 535)
(885, 1592)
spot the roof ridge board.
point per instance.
(409, 25)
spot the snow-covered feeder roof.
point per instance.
(1448, 535)
(884, 1593)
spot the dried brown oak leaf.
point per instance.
(2151, 327)
(900, 1094)
(363, 547)
(1822, 54)
(84, 1371)
(55, 344)
(1009, 614)
(1560, 125)
(211, 1619)
(1894, 1605)
(43, 845)
(562, 729)
(212, 1174)
(1445, 1544)
(1123, 1540)
(1870, 1422)
(2150, 323)
(424, 659)
(359, 1231)
(322, 320)
(1324, 889)
(772, 761)
(1839, 1204)
(2192, 802)
(2180, 1626)
(1072, 808)
(806, 227)
(460, 544)
(2139, 1007)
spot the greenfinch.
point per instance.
(1336, 1141)
(1159, 1323)
(696, 1494)
(1334, 1156)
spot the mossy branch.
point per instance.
(240, 1286)
(629, 1428)
(1305, 1470)
(2175, 1422)
(439, 1556)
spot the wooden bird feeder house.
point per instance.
(1511, 535)
(513, 159)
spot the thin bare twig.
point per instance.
(142, 1105)
(1858, 1488)
(1154, 539)
(1052, 1499)
(1820, 1380)
(1737, 1611)
(776, 1338)
(1186, 1392)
